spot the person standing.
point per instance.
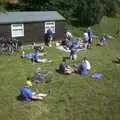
(89, 37)
(86, 39)
(49, 37)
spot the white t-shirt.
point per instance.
(86, 37)
(88, 65)
(68, 34)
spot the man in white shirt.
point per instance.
(86, 38)
(69, 35)
(87, 63)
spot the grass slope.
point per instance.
(73, 97)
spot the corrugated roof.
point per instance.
(18, 17)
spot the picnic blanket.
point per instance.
(67, 50)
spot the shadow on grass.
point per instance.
(116, 61)
(18, 98)
(58, 71)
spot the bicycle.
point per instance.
(5, 48)
(8, 47)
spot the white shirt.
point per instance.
(68, 34)
(88, 64)
(86, 37)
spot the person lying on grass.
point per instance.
(65, 68)
(34, 57)
(30, 55)
(26, 93)
(37, 60)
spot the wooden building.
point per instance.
(29, 27)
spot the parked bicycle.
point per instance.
(8, 47)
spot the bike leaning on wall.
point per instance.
(9, 47)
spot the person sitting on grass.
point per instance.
(26, 93)
(65, 68)
(82, 68)
(102, 41)
(87, 63)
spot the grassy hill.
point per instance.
(72, 97)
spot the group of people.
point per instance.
(88, 39)
(83, 67)
(34, 57)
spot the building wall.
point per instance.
(34, 32)
(60, 30)
(5, 32)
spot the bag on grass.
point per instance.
(97, 76)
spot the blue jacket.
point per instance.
(82, 69)
(49, 33)
(25, 94)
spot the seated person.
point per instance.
(102, 41)
(87, 63)
(65, 68)
(64, 42)
(26, 93)
(82, 68)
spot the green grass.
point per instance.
(72, 97)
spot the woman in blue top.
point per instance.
(102, 41)
(26, 93)
(82, 68)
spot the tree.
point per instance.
(88, 12)
(111, 7)
(33, 5)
